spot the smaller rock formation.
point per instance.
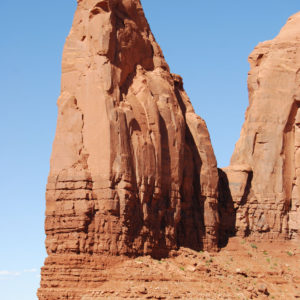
(264, 174)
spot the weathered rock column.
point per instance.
(132, 168)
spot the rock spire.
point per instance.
(132, 170)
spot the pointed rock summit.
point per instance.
(264, 174)
(132, 171)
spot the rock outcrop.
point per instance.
(264, 175)
(132, 168)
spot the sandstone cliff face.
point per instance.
(264, 174)
(132, 168)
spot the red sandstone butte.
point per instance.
(132, 170)
(264, 174)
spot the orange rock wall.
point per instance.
(264, 174)
(132, 168)
(133, 171)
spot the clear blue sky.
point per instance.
(207, 42)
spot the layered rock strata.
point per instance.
(132, 168)
(264, 175)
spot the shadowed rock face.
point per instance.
(264, 175)
(132, 168)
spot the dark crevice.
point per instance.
(226, 210)
(103, 5)
(247, 189)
